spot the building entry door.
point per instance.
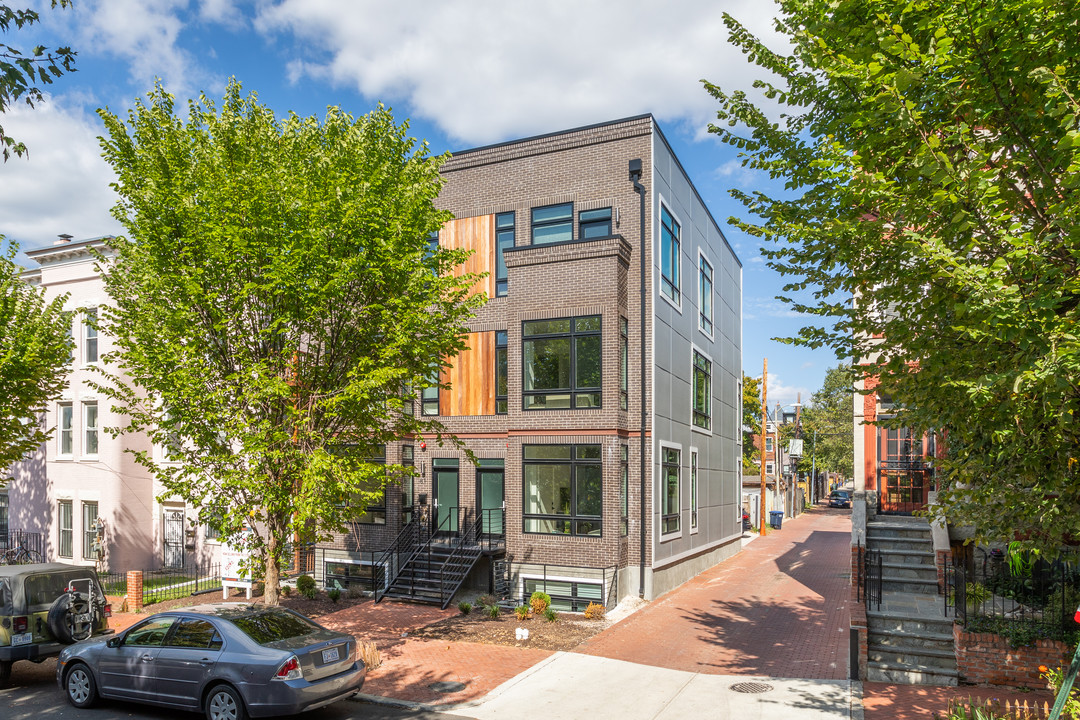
(490, 495)
(173, 533)
(445, 490)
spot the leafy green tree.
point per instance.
(274, 307)
(35, 351)
(751, 423)
(831, 416)
(22, 75)
(930, 156)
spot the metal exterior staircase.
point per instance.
(431, 568)
(910, 641)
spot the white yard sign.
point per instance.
(232, 574)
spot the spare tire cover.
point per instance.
(70, 618)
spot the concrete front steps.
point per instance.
(910, 641)
(910, 650)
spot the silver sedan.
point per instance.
(228, 660)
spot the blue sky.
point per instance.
(465, 73)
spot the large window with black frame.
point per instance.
(561, 363)
(563, 489)
(504, 240)
(501, 373)
(670, 510)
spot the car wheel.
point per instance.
(79, 686)
(224, 703)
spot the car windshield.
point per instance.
(270, 626)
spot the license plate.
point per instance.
(22, 639)
(82, 618)
(330, 655)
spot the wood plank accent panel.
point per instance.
(472, 379)
(476, 234)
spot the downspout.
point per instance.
(635, 177)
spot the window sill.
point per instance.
(671, 536)
(699, 429)
(672, 303)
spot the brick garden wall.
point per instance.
(988, 659)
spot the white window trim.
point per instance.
(769, 467)
(658, 258)
(695, 490)
(702, 256)
(60, 454)
(712, 400)
(663, 489)
(86, 426)
(83, 325)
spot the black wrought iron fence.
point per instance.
(18, 547)
(872, 579)
(167, 583)
(570, 588)
(1024, 600)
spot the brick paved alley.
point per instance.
(779, 608)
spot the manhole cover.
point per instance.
(751, 687)
(447, 687)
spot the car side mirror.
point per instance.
(114, 641)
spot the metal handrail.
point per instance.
(467, 540)
(408, 541)
(485, 537)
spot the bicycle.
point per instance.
(20, 555)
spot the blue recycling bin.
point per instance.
(776, 519)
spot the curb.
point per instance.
(426, 707)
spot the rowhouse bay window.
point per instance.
(702, 391)
(561, 363)
(670, 462)
(563, 489)
(504, 240)
(669, 257)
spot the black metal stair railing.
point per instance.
(412, 538)
(464, 553)
(872, 574)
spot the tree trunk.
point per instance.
(271, 576)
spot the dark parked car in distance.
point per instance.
(227, 660)
(840, 499)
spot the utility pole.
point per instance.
(764, 425)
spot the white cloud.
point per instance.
(485, 71)
(756, 308)
(63, 187)
(145, 35)
(785, 394)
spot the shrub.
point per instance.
(334, 595)
(971, 710)
(539, 602)
(464, 607)
(310, 593)
(1053, 678)
(354, 591)
(493, 611)
(286, 590)
(522, 612)
(595, 611)
(305, 583)
(551, 616)
(487, 600)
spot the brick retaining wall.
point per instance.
(988, 659)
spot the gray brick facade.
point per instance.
(588, 167)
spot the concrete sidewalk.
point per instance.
(570, 685)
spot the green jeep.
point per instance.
(45, 607)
